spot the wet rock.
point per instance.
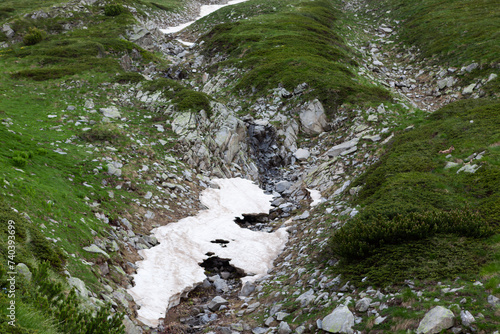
(435, 321)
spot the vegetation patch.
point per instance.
(34, 36)
(113, 9)
(457, 31)
(297, 43)
(409, 197)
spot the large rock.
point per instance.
(247, 289)
(338, 149)
(302, 154)
(284, 328)
(313, 118)
(436, 320)
(362, 305)
(216, 303)
(340, 320)
(282, 186)
(111, 112)
(78, 284)
(95, 249)
(306, 298)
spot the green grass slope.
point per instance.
(288, 43)
(420, 217)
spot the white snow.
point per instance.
(316, 197)
(204, 11)
(172, 269)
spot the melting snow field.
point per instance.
(204, 11)
(172, 268)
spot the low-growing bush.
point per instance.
(359, 238)
(103, 133)
(113, 10)
(34, 36)
(19, 162)
(129, 77)
(188, 99)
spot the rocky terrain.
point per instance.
(150, 130)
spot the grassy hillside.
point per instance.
(450, 33)
(285, 44)
(414, 193)
(54, 155)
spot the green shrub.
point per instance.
(188, 99)
(103, 133)
(34, 36)
(19, 162)
(113, 10)
(129, 77)
(42, 151)
(359, 238)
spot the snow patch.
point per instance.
(204, 11)
(171, 269)
(316, 197)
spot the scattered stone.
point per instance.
(284, 328)
(469, 89)
(451, 164)
(111, 112)
(362, 305)
(306, 298)
(340, 320)
(467, 318)
(79, 286)
(247, 289)
(95, 249)
(472, 67)
(492, 76)
(302, 154)
(313, 118)
(282, 186)
(216, 303)
(494, 301)
(303, 216)
(435, 321)
(338, 149)
(468, 169)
